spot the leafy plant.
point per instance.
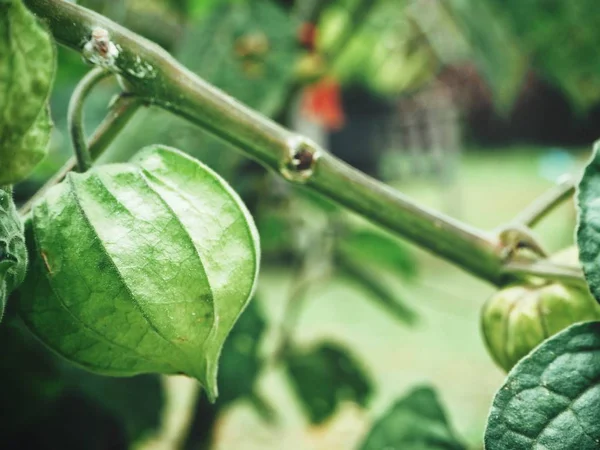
(416, 421)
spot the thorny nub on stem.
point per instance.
(299, 164)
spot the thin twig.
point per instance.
(75, 116)
(120, 113)
(544, 204)
(546, 269)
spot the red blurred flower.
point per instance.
(322, 103)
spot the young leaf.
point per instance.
(26, 73)
(13, 253)
(415, 422)
(140, 267)
(325, 376)
(550, 398)
(588, 211)
(375, 289)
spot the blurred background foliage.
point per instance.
(473, 107)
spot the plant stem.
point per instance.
(120, 113)
(153, 74)
(545, 269)
(543, 205)
(75, 116)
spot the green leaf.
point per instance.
(356, 273)
(141, 267)
(415, 422)
(372, 247)
(325, 376)
(13, 253)
(240, 361)
(588, 228)
(550, 398)
(26, 73)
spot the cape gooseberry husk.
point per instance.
(519, 317)
(140, 267)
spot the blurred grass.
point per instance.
(445, 349)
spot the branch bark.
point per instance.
(152, 74)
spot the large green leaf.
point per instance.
(13, 253)
(415, 422)
(140, 267)
(324, 376)
(588, 228)
(27, 65)
(550, 398)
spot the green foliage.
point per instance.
(367, 280)
(38, 386)
(494, 49)
(240, 362)
(134, 402)
(324, 376)
(140, 267)
(28, 61)
(30, 378)
(363, 255)
(518, 318)
(13, 252)
(561, 39)
(551, 397)
(588, 238)
(377, 248)
(200, 8)
(387, 51)
(247, 49)
(415, 422)
(558, 39)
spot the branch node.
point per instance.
(299, 163)
(99, 50)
